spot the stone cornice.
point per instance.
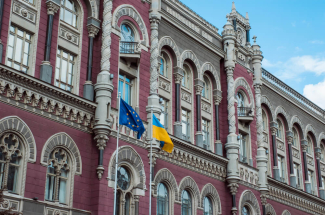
(31, 94)
(293, 197)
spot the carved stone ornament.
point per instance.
(92, 30)
(233, 188)
(198, 89)
(24, 12)
(101, 140)
(264, 199)
(154, 21)
(58, 164)
(178, 78)
(100, 172)
(52, 8)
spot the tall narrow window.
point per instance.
(297, 174)
(186, 125)
(243, 147)
(295, 139)
(127, 44)
(310, 145)
(163, 66)
(207, 206)
(125, 87)
(162, 201)
(245, 211)
(64, 70)
(322, 149)
(206, 133)
(18, 51)
(281, 168)
(127, 204)
(264, 118)
(186, 77)
(240, 99)
(186, 203)
(69, 12)
(10, 156)
(323, 182)
(164, 113)
(57, 176)
(279, 132)
(312, 182)
(206, 88)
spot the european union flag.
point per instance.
(130, 118)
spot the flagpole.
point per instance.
(118, 134)
(151, 139)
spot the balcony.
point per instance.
(245, 114)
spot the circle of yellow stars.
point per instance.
(129, 118)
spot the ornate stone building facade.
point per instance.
(245, 142)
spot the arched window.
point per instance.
(69, 12)
(322, 149)
(265, 122)
(163, 66)
(10, 156)
(295, 139)
(123, 178)
(185, 80)
(243, 148)
(207, 206)
(240, 99)
(57, 170)
(186, 203)
(127, 34)
(279, 132)
(162, 200)
(206, 88)
(245, 211)
(310, 145)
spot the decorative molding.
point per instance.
(241, 82)
(26, 12)
(210, 191)
(207, 66)
(265, 100)
(300, 200)
(322, 166)
(320, 138)
(65, 141)
(295, 153)
(186, 96)
(269, 210)
(189, 54)
(52, 7)
(286, 212)
(295, 119)
(309, 128)
(69, 35)
(166, 176)
(248, 197)
(190, 185)
(28, 93)
(164, 84)
(248, 176)
(18, 126)
(205, 106)
(280, 145)
(10, 203)
(168, 41)
(281, 110)
(56, 211)
(129, 10)
(310, 160)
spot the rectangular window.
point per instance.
(64, 70)
(186, 125)
(243, 148)
(281, 168)
(311, 180)
(125, 88)
(206, 134)
(164, 113)
(18, 51)
(296, 168)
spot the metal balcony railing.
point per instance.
(244, 111)
(128, 47)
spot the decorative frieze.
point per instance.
(280, 145)
(164, 84)
(310, 160)
(205, 106)
(248, 175)
(69, 35)
(265, 137)
(52, 211)
(322, 167)
(24, 11)
(186, 96)
(10, 203)
(295, 153)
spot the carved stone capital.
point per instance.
(217, 96)
(304, 145)
(274, 127)
(101, 140)
(198, 86)
(233, 188)
(92, 30)
(289, 137)
(52, 7)
(318, 153)
(230, 71)
(178, 75)
(264, 199)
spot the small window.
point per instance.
(186, 77)
(69, 12)
(206, 134)
(295, 139)
(243, 148)
(186, 125)
(206, 88)
(162, 200)
(164, 113)
(123, 178)
(240, 99)
(18, 52)
(310, 145)
(57, 170)
(281, 168)
(207, 206)
(297, 174)
(125, 88)
(186, 203)
(163, 66)
(279, 132)
(64, 70)
(245, 211)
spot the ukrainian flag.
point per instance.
(159, 132)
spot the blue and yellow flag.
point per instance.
(130, 118)
(159, 132)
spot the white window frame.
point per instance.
(130, 84)
(185, 113)
(282, 168)
(297, 173)
(206, 134)
(164, 112)
(58, 70)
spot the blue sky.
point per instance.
(291, 34)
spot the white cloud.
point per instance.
(316, 93)
(319, 42)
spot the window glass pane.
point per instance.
(127, 204)
(128, 94)
(162, 201)
(16, 66)
(69, 4)
(127, 33)
(28, 36)
(11, 40)
(123, 178)
(70, 73)
(207, 206)
(162, 67)
(20, 33)
(62, 190)
(65, 55)
(120, 88)
(12, 29)
(2, 165)
(64, 71)
(50, 183)
(9, 52)
(186, 203)
(18, 51)
(12, 178)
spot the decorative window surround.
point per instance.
(28, 93)
(25, 10)
(310, 160)
(248, 198)
(69, 33)
(186, 95)
(248, 175)
(164, 83)
(295, 152)
(295, 198)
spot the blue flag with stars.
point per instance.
(130, 118)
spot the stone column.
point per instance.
(233, 191)
(136, 205)
(1, 16)
(93, 28)
(104, 87)
(46, 68)
(217, 99)
(292, 174)
(198, 92)
(304, 145)
(318, 153)
(276, 171)
(178, 77)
